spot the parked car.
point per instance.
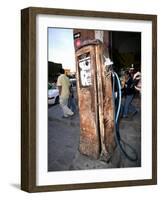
(53, 94)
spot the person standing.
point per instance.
(129, 92)
(71, 101)
(137, 80)
(63, 85)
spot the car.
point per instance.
(53, 94)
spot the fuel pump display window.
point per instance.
(84, 63)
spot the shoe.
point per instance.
(71, 114)
(66, 116)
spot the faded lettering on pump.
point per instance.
(85, 70)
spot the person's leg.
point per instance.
(122, 106)
(64, 106)
(70, 102)
(128, 100)
(73, 104)
(67, 110)
(132, 109)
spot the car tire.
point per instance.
(57, 100)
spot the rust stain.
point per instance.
(89, 139)
(106, 111)
(96, 108)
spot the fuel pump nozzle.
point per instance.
(108, 64)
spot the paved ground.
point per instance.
(63, 143)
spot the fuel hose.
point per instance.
(117, 106)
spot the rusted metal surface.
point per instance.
(87, 43)
(87, 100)
(84, 35)
(106, 109)
(96, 106)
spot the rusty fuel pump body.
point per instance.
(95, 102)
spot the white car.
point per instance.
(53, 94)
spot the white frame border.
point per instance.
(43, 177)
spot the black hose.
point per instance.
(118, 138)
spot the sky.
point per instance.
(61, 47)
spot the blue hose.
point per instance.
(119, 141)
(119, 106)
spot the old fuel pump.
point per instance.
(95, 102)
